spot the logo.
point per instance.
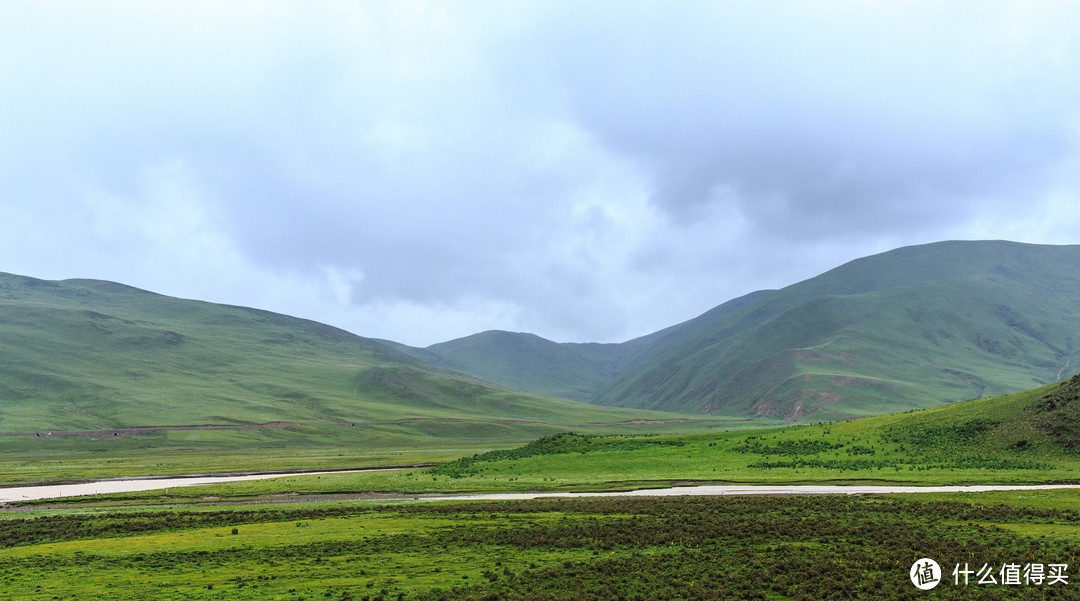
(925, 574)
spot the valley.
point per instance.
(909, 328)
(534, 469)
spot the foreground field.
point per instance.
(672, 548)
(32, 459)
(309, 537)
(1030, 437)
(1026, 438)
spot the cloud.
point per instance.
(824, 119)
(420, 171)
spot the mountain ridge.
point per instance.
(91, 355)
(908, 328)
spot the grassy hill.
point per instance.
(91, 368)
(1027, 437)
(529, 362)
(914, 327)
(579, 371)
(104, 370)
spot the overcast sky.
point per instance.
(587, 171)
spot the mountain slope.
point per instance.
(579, 371)
(913, 327)
(89, 355)
(909, 328)
(532, 363)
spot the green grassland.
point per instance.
(615, 548)
(32, 459)
(85, 355)
(1028, 437)
(100, 380)
(225, 389)
(1024, 438)
(222, 388)
(272, 540)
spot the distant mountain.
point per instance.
(913, 327)
(575, 371)
(86, 355)
(579, 371)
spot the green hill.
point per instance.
(82, 360)
(578, 371)
(913, 327)
(529, 362)
(1023, 438)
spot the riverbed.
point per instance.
(103, 487)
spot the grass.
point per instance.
(48, 459)
(679, 548)
(1022, 438)
(1026, 438)
(357, 402)
(271, 539)
(98, 358)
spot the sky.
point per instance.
(585, 171)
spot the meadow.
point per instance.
(1025, 438)
(834, 547)
(362, 536)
